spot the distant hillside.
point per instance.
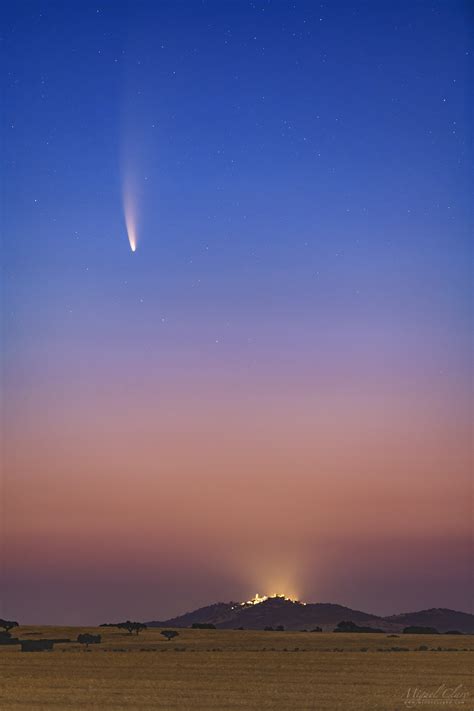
(441, 618)
(294, 615)
(270, 613)
(217, 614)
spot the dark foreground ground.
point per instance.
(216, 670)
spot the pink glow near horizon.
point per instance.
(272, 497)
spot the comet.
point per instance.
(130, 214)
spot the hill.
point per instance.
(270, 612)
(295, 615)
(442, 619)
(217, 614)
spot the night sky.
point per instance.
(272, 392)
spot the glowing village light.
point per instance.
(261, 598)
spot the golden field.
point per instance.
(217, 669)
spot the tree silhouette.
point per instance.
(131, 626)
(169, 634)
(8, 624)
(88, 639)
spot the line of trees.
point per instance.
(278, 628)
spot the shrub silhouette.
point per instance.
(8, 624)
(203, 626)
(278, 628)
(88, 639)
(349, 626)
(169, 634)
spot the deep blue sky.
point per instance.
(291, 155)
(303, 222)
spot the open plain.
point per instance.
(238, 669)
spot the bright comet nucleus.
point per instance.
(129, 209)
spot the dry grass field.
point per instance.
(216, 670)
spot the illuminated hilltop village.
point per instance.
(262, 598)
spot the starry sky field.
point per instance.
(272, 392)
